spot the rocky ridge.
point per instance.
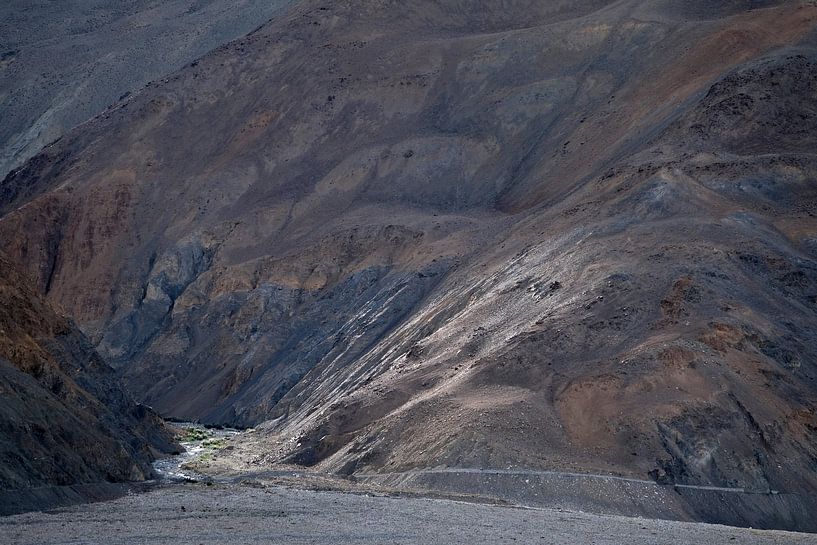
(66, 420)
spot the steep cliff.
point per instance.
(64, 418)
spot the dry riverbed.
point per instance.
(289, 506)
(243, 514)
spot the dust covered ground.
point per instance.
(239, 514)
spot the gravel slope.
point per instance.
(218, 514)
(62, 63)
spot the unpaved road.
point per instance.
(537, 473)
(236, 514)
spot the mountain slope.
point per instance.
(65, 418)
(564, 235)
(62, 63)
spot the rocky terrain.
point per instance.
(62, 63)
(253, 514)
(561, 236)
(64, 418)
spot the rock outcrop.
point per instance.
(64, 418)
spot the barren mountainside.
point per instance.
(65, 418)
(574, 236)
(62, 63)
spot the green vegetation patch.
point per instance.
(196, 434)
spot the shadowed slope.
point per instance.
(65, 419)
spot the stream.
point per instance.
(197, 441)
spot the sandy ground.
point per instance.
(237, 514)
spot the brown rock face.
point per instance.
(65, 418)
(562, 235)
